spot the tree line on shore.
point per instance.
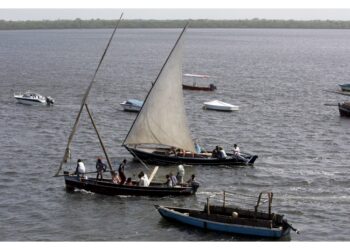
(202, 23)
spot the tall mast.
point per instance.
(83, 102)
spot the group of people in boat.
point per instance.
(172, 180)
(218, 152)
(120, 178)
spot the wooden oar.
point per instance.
(153, 173)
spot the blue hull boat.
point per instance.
(345, 86)
(231, 220)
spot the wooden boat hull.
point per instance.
(163, 159)
(107, 187)
(183, 215)
(191, 87)
(344, 109)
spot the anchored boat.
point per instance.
(132, 105)
(194, 85)
(32, 98)
(232, 220)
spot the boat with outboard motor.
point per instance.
(32, 98)
(194, 85)
(220, 106)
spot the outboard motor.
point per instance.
(49, 100)
(212, 86)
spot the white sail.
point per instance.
(162, 119)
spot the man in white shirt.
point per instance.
(236, 150)
(80, 171)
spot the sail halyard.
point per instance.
(162, 119)
(83, 102)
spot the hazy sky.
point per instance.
(179, 9)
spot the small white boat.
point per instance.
(132, 105)
(221, 106)
(32, 98)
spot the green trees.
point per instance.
(200, 23)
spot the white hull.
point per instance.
(220, 106)
(30, 101)
(31, 98)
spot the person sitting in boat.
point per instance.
(100, 167)
(115, 178)
(144, 182)
(192, 180)
(180, 174)
(197, 147)
(172, 151)
(128, 182)
(222, 154)
(168, 182)
(236, 150)
(80, 170)
(180, 152)
(215, 153)
(121, 172)
(173, 179)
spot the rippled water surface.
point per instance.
(277, 77)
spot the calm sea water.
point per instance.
(277, 77)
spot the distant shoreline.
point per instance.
(154, 24)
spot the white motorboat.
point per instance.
(132, 105)
(221, 106)
(32, 98)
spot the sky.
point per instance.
(180, 9)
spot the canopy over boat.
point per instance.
(197, 76)
(162, 118)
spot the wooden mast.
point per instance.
(67, 151)
(99, 138)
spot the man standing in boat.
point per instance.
(80, 170)
(100, 167)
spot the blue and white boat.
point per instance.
(345, 86)
(132, 105)
(32, 98)
(232, 220)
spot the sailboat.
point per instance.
(111, 186)
(160, 133)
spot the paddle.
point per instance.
(153, 173)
